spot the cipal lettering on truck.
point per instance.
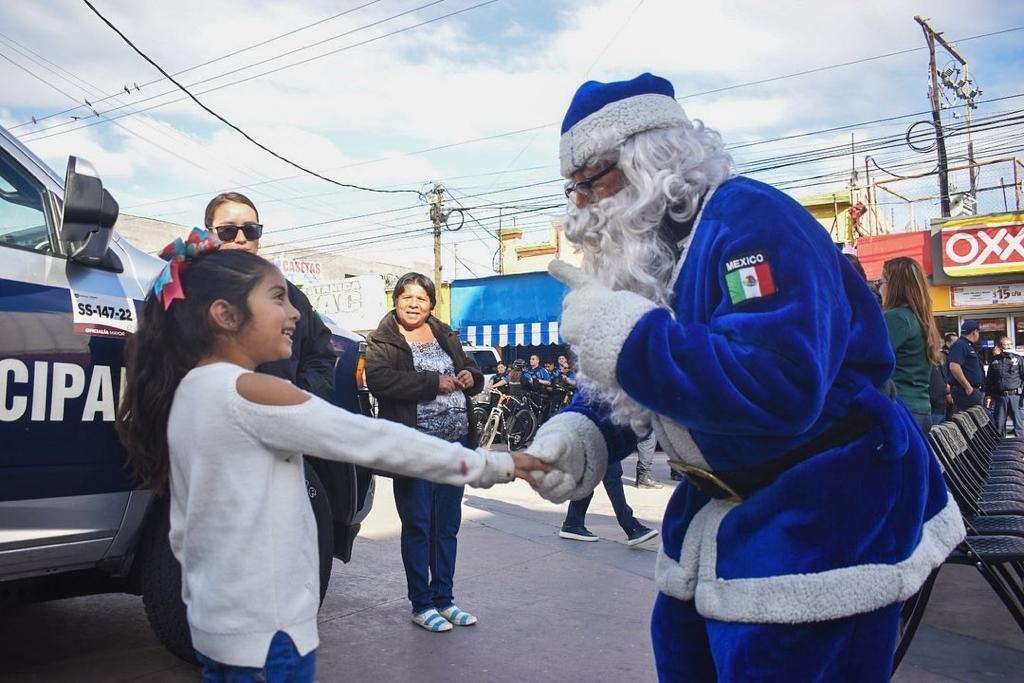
(73, 520)
(56, 391)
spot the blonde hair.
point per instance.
(905, 285)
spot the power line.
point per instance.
(87, 87)
(732, 147)
(233, 126)
(209, 61)
(275, 70)
(854, 62)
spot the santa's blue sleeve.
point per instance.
(621, 441)
(758, 360)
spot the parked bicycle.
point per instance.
(513, 418)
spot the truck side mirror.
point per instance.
(89, 216)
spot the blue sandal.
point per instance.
(432, 621)
(457, 616)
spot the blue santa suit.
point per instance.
(802, 579)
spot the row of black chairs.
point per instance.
(985, 476)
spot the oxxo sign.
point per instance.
(983, 249)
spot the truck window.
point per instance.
(484, 360)
(23, 222)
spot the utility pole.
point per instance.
(940, 141)
(438, 217)
(501, 246)
(959, 81)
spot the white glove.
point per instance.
(596, 320)
(574, 447)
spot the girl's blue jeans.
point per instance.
(284, 664)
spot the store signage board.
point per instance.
(357, 303)
(994, 246)
(973, 296)
(299, 271)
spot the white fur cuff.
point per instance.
(572, 444)
(597, 321)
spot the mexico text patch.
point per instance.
(749, 277)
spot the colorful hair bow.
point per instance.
(178, 254)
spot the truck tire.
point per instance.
(160, 573)
(160, 580)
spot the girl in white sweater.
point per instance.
(228, 442)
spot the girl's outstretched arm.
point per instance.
(288, 420)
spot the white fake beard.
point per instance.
(624, 252)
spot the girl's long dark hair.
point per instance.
(168, 344)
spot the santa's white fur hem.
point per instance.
(799, 598)
(610, 125)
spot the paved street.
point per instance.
(550, 610)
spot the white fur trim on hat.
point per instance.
(612, 124)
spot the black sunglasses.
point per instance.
(227, 233)
(585, 186)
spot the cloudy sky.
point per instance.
(397, 94)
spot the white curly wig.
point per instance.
(667, 171)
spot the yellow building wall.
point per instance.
(518, 256)
(941, 301)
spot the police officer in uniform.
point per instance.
(1003, 387)
(965, 367)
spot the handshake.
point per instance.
(558, 465)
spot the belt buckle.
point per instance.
(706, 479)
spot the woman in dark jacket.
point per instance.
(422, 378)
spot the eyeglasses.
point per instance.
(586, 186)
(227, 233)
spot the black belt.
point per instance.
(740, 483)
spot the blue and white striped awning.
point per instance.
(514, 334)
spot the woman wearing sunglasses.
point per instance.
(236, 221)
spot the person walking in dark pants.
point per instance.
(1003, 387)
(644, 462)
(573, 528)
(965, 367)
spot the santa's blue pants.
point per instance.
(688, 647)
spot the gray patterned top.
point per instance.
(445, 416)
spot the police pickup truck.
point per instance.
(72, 521)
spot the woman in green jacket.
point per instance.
(912, 333)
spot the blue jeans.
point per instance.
(284, 664)
(938, 418)
(577, 514)
(431, 515)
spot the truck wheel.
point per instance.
(324, 526)
(160, 579)
(160, 573)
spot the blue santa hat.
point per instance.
(603, 115)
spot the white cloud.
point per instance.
(486, 72)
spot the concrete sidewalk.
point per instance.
(549, 609)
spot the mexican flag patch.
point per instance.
(749, 277)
